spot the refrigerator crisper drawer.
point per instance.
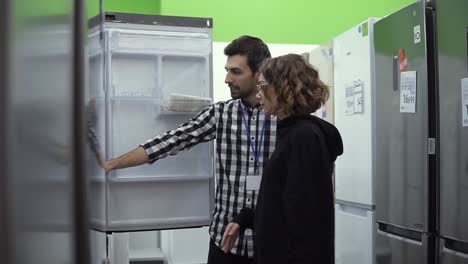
(142, 205)
(354, 235)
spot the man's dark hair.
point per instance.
(254, 48)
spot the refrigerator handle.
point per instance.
(395, 72)
(400, 232)
(466, 35)
(455, 245)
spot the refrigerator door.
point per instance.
(5, 47)
(157, 77)
(40, 124)
(95, 152)
(401, 137)
(322, 59)
(354, 91)
(95, 103)
(354, 224)
(452, 41)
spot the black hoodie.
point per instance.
(294, 218)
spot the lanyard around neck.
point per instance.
(252, 145)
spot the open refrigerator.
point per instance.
(148, 74)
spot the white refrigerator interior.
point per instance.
(354, 88)
(156, 77)
(322, 59)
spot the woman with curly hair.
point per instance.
(293, 221)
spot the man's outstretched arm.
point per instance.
(133, 158)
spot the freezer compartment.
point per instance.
(354, 224)
(453, 251)
(136, 204)
(396, 245)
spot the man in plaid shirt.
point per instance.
(244, 136)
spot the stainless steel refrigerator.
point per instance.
(420, 58)
(452, 66)
(42, 184)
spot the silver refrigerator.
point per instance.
(452, 56)
(43, 214)
(422, 133)
(405, 136)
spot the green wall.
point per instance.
(133, 6)
(282, 21)
(275, 21)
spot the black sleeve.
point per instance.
(308, 201)
(244, 218)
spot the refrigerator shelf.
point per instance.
(156, 100)
(168, 178)
(158, 52)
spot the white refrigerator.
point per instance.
(321, 59)
(148, 74)
(354, 117)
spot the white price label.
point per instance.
(408, 87)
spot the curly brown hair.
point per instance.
(297, 84)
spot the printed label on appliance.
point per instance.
(358, 96)
(408, 87)
(349, 95)
(464, 83)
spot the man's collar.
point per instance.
(246, 105)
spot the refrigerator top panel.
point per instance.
(354, 111)
(322, 59)
(401, 116)
(452, 41)
(152, 20)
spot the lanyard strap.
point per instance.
(252, 145)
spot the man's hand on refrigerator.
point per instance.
(107, 166)
(230, 237)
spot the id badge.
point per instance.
(253, 182)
